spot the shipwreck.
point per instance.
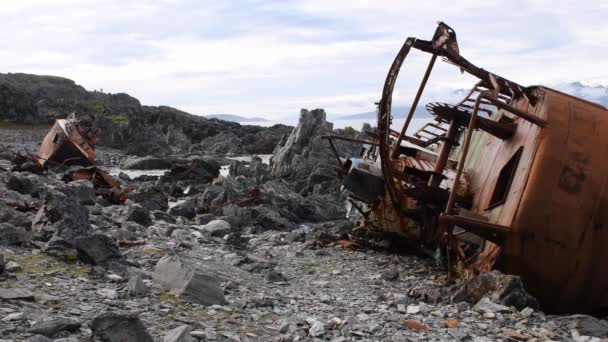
(512, 178)
(71, 144)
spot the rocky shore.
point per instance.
(263, 254)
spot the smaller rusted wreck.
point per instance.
(71, 144)
(511, 177)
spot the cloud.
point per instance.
(261, 58)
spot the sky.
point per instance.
(271, 58)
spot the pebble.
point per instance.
(12, 266)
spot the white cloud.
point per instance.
(255, 58)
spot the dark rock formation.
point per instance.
(120, 327)
(124, 122)
(54, 325)
(98, 249)
(499, 288)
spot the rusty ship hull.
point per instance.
(510, 178)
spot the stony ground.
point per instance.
(224, 284)
(334, 293)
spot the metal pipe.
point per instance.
(493, 232)
(463, 157)
(526, 116)
(414, 105)
(442, 159)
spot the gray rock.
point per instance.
(120, 327)
(499, 288)
(179, 334)
(317, 329)
(16, 294)
(81, 190)
(98, 249)
(13, 235)
(163, 216)
(216, 228)
(139, 214)
(390, 275)
(486, 305)
(586, 325)
(39, 338)
(61, 249)
(2, 263)
(54, 325)
(185, 209)
(184, 279)
(20, 182)
(124, 176)
(69, 218)
(12, 266)
(136, 287)
(204, 218)
(304, 157)
(150, 196)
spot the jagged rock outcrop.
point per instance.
(307, 159)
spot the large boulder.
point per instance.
(585, 325)
(68, 218)
(120, 327)
(215, 228)
(54, 325)
(138, 214)
(150, 196)
(13, 235)
(185, 209)
(499, 288)
(188, 280)
(98, 249)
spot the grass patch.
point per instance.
(23, 126)
(119, 119)
(169, 297)
(40, 264)
(95, 107)
(311, 267)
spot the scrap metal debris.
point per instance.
(510, 178)
(69, 143)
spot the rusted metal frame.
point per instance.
(442, 159)
(506, 87)
(480, 109)
(339, 137)
(428, 142)
(437, 127)
(524, 115)
(384, 129)
(414, 105)
(465, 150)
(429, 132)
(492, 232)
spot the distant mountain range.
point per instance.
(596, 93)
(397, 110)
(235, 118)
